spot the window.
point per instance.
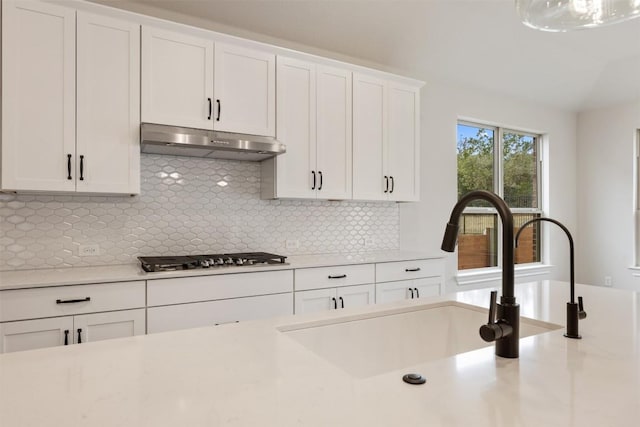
(506, 162)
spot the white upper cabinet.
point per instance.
(386, 140)
(193, 82)
(70, 106)
(108, 85)
(314, 122)
(403, 143)
(177, 79)
(245, 90)
(38, 99)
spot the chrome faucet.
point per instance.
(575, 312)
(505, 331)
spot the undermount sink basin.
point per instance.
(380, 342)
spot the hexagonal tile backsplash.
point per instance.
(186, 206)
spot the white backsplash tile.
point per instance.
(186, 206)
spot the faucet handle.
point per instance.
(492, 308)
(581, 313)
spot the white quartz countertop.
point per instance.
(251, 374)
(130, 272)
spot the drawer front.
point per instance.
(334, 277)
(211, 313)
(206, 288)
(404, 270)
(35, 303)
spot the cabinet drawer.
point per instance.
(42, 302)
(210, 313)
(222, 286)
(333, 277)
(403, 270)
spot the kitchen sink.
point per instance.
(385, 341)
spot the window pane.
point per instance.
(528, 249)
(477, 241)
(475, 160)
(520, 170)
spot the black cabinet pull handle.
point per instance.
(79, 336)
(72, 301)
(320, 186)
(335, 303)
(226, 323)
(210, 108)
(69, 166)
(66, 337)
(219, 109)
(417, 292)
(341, 276)
(342, 302)
(314, 180)
(386, 188)
(412, 269)
(411, 290)
(393, 184)
(81, 167)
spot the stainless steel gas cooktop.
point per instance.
(189, 262)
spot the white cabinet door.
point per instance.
(177, 79)
(33, 334)
(245, 90)
(38, 99)
(334, 143)
(403, 147)
(108, 85)
(296, 129)
(316, 300)
(104, 326)
(408, 289)
(393, 291)
(356, 296)
(210, 313)
(369, 137)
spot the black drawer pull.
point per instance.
(417, 292)
(342, 302)
(314, 180)
(210, 109)
(342, 276)
(219, 109)
(393, 184)
(226, 323)
(412, 269)
(79, 336)
(72, 301)
(320, 186)
(411, 290)
(66, 337)
(81, 168)
(68, 166)
(386, 188)
(335, 303)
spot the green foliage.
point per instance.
(475, 166)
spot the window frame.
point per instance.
(498, 183)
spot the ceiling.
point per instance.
(472, 43)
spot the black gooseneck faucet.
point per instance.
(505, 331)
(575, 312)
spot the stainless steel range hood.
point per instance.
(178, 141)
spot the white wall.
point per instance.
(604, 245)
(422, 224)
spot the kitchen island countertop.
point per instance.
(251, 374)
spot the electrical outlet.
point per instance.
(607, 281)
(292, 244)
(89, 250)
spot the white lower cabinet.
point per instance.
(334, 298)
(408, 289)
(215, 313)
(67, 330)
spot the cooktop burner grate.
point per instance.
(188, 262)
